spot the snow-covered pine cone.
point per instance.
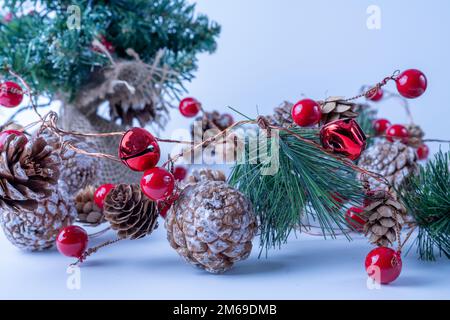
(206, 175)
(34, 207)
(394, 161)
(282, 115)
(416, 135)
(87, 210)
(211, 225)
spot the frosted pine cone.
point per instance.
(211, 226)
(416, 135)
(130, 212)
(87, 210)
(206, 175)
(282, 115)
(394, 161)
(385, 218)
(335, 108)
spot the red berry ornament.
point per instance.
(180, 173)
(72, 241)
(5, 134)
(383, 265)
(11, 94)
(397, 132)
(412, 83)
(306, 113)
(380, 126)
(423, 152)
(190, 107)
(157, 184)
(101, 193)
(165, 206)
(139, 150)
(377, 95)
(354, 219)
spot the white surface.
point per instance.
(306, 268)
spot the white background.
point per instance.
(270, 51)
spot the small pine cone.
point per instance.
(211, 226)
(88, 212)
(335, 108)
(385, 218)
(282, 115)
(130, 212)
(416, 135)
(394, 161)
(209, 121)
(36, 225)
(206, 175)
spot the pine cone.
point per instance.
(385, 218)
(210, 120)
(416, 135)
(282, 115)
(335, 108)
(88, 212)
(130, 212)
(77, 170)
(395, 161)
(206, 175)
(211, 226)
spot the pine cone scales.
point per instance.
(395, 161)
(335, 108)
(211, 226)
(206, 175)
(130, 212)
(88, 212)
(28, 171)
(385, 218)
(416, 135)
(282, 115)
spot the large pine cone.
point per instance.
(335, 108)
(394, 161)
(35, 226)
(87, 210)
(130, 212)
(385, 218)
(211, 226)
(416, 135)
(282, 115)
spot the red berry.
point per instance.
(377, 95)
(157, 184)
(164, 206)
(72, 241)
(5, 134)
(397, 132)
(306, 113)
(412, 83)
(190, 107)
(354, 219)
(108, 45)
(11, 94)
(384, 265)
(380, 126)
(180, 173)
(101, 193)
(423, 152)
(139, 150)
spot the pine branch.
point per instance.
(427, 197)
(301, 190)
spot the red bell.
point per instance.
(343, 137)
(139, 150)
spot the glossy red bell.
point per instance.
(380, 126)
(306, 113)
(5, 134)
(11, 94)
(354, 218)
(190, 107)
(139, 150)
(72, 241)
(343, 137)
(157, 184)
(423, 152)
(397, 132)
(412, 83)
(101, 193)
(376, 95)
(383, 265)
